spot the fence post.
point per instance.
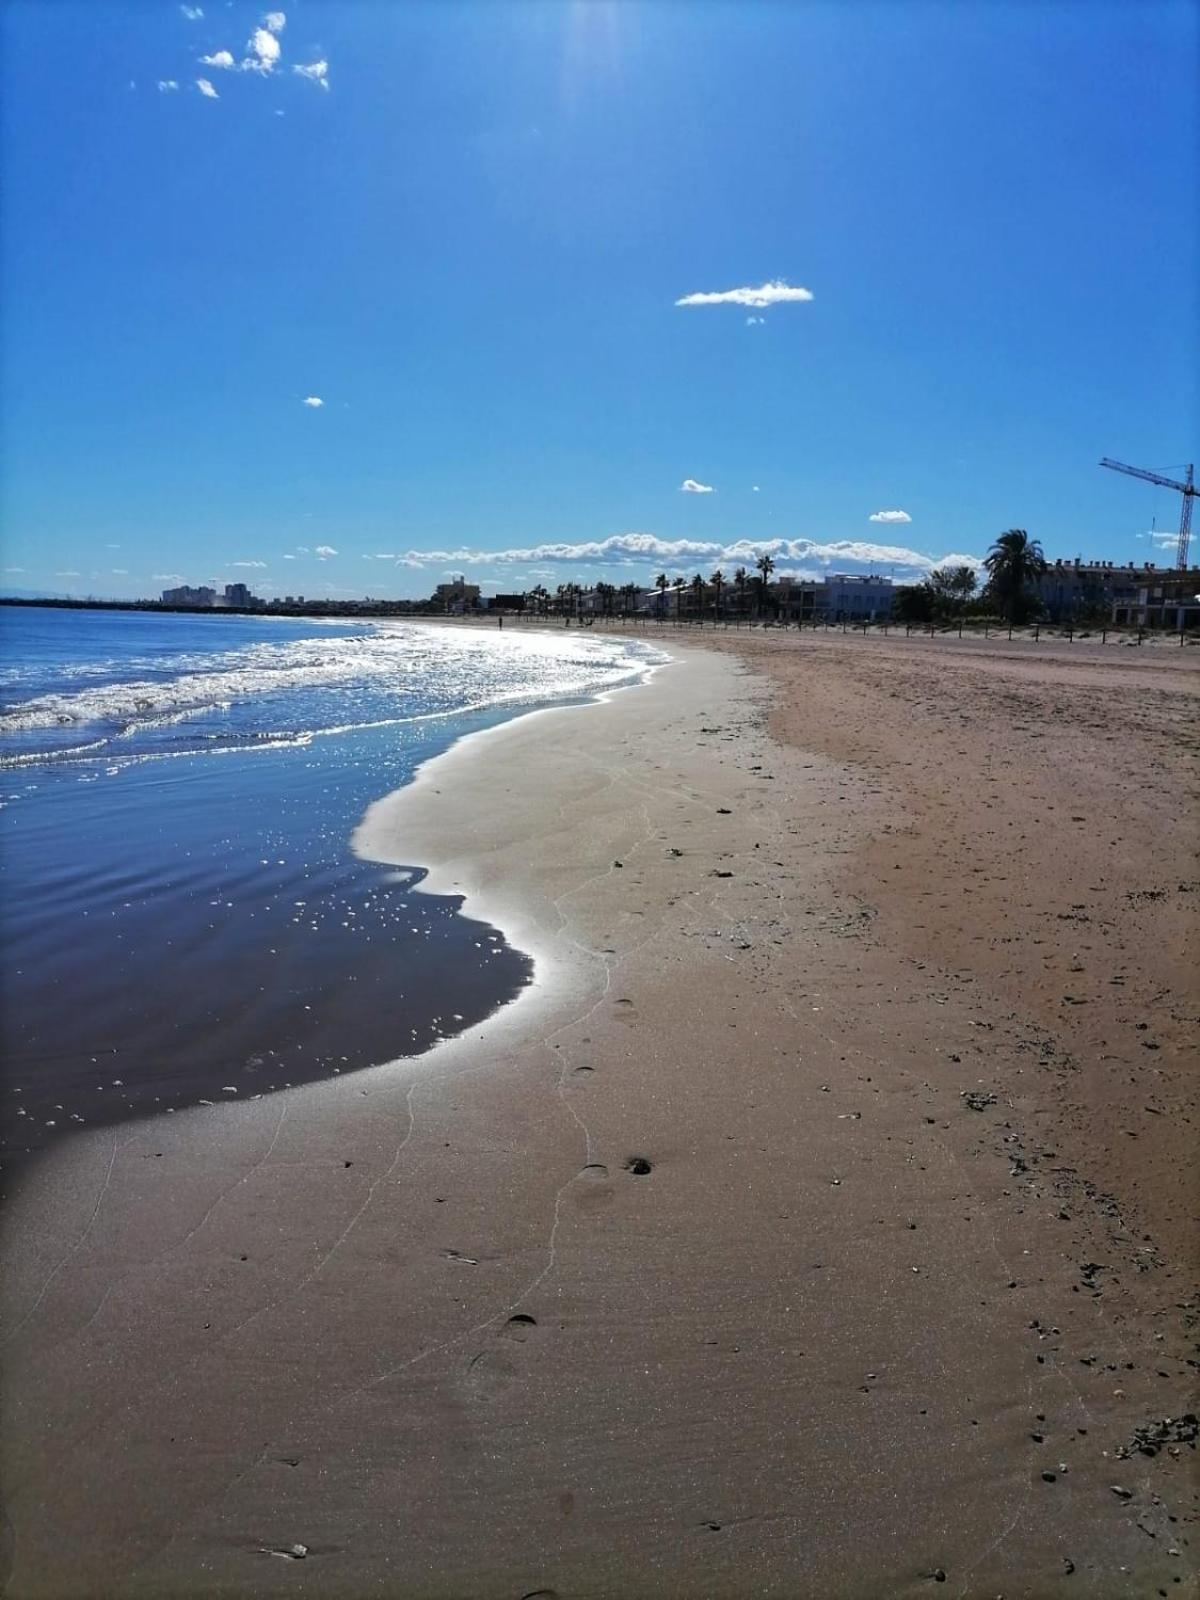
(1139, 633)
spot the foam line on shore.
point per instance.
(406, 829)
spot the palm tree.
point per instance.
(678, 586)
(629, 595)
(698, 591)
(718, 582)
(662, 583)
(1013, 562)
(741, 578)
(766, 567)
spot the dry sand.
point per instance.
(793, 903)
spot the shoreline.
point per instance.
(429, 1323)
(287, 1016)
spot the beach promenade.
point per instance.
(821, 1223)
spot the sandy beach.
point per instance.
(821, 1223)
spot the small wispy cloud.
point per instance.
(690, 486)
(112, 546)
(889, 516)
(314, 71)
(206, 89)
(313, 400)
(70, 573)
(192, 13)
(774, 293)
(261, 565)
(756, 322)
(166, 577)
(264, 52)
(753, 488)
(219, 58)
(324, 551)
(120, 572)
(275, 21)
(15, 569)
(167, 85)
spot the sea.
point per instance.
(183, 918)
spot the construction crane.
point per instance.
(1187, 489)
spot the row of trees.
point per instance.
(567, 599)
(1012, 565)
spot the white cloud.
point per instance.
(313, 400)
(754, 488)
(276, 21)
(112, 546)
(645, 548)
(192, 13)
(167, 577)
(756, 322)
(219, 58)
(15, 569)
(315, 72)
(324, 551)
(264, 51)
(120, 572)
(167, 85)
(690, 486)
(774, 293)
(889, 516)
(262, 565)
(68, 574)
(206, 89)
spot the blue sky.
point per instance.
(466, 228)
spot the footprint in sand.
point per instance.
(592, 1189)
(490, 1372)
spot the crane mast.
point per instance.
(1187, 489)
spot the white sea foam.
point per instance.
(289, 692)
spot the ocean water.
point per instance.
(182, 916)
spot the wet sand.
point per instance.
(820, 1223)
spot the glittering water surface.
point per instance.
(183, 918)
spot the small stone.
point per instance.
(1049, 1477)
(1121, 1493)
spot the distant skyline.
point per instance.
(341, 299)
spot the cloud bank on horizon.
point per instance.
(639, 549)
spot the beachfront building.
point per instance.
(1133, 594)
(188, 595)
(456, 596)
(1087, 591)
(837, 597)
(1161, 598)
(237, 597)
